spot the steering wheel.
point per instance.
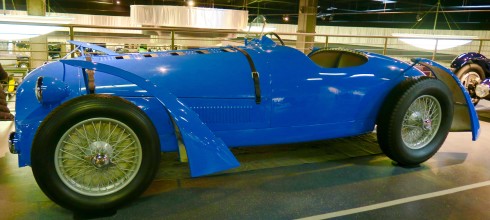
(277, 36)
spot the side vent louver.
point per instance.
(227, 50)
(123, 57)
(177, 53)
(150, 55)
(202, 51)
(224, 114)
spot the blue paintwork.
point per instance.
(209, 93)
(486, 82)
(207, 154)
(53, 90)
(465, 58)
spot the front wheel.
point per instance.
(470, 76)
(415, 120)
(95, 153)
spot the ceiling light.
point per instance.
(190, 3)
(428, 42)
(24, 31)
(385, 1)
(118, 2)
(285, 18)
(106, 2)
(419, 17)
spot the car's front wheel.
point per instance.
(415, 120)
(95, 153)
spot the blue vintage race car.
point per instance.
(92, 127)
(473, 69)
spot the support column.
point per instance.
(306, 24)
(38, 45)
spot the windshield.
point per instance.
(256, 28)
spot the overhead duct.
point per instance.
(188, 17)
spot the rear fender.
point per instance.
(465, 117)
(206, 153)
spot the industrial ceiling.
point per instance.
(420, 14)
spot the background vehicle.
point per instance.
(473, 69)
(92, 128)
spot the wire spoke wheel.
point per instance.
(95, 153)
(415, 120)
(421, 122)
(98, 156)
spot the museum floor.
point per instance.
(345, 178)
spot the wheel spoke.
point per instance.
(80, 148)
(80, 173)
(124, 160)
(110, 132)
(73, 155)
(83, 135)
(117, 154)
(121, 140)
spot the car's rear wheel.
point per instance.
(415, 120)
(470, 76)
(95, 153)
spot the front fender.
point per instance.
(464, 58)
(206, 153)
(465, 117)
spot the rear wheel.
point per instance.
(470, 76)
(415, 120)
(95, 153)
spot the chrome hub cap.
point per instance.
(100, 161)
(427, 124)
(421, 122)
(103, 154)
(482, 90)
(98, 156)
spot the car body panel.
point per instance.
(471, 57)
(210, 96)
(207, 153)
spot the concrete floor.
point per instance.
(344, 178)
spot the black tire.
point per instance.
(62, 152)
(466, 74)
(393, 128)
